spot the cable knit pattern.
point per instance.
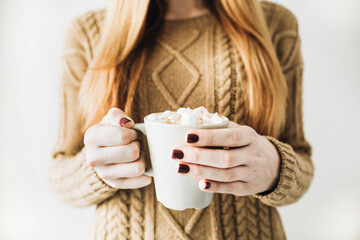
(102, 223)
(240, 90)
(113, 219)
(173, 223)
(264, 221)
(192, 70)
(137, 214)
(194, 63)
(123, 214)
(223, 64)
(193, 220)
(247, 209)
(227, 216)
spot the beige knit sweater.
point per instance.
(194, 63)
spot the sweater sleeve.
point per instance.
(70, 178)
(296, 170)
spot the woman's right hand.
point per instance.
(113, 152)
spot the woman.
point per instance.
(239, 58)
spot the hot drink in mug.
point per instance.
(165, 131)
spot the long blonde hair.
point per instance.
(114, 73)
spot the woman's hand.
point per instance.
(250, 166)
(113, 152)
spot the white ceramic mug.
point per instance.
(173, 190)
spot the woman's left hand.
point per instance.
(250, 166)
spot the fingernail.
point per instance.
(124, 121)
(177, 154)
(207, 185)
(192, 138)
(183, 168)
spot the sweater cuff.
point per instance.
(78, 184)
(287, 174)
(99, 189)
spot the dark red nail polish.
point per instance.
(207, 186)
(183, 168)
(124, 121)
(192, 138)
(177, 154)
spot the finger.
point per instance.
(122, 170)
(237, 188)
(116, 117)
(233, 124)
(130, 183)
(218, 158)
(108, 135)
(229, 137)
(113, 155)
(216, 174)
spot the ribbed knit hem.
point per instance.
(287, 174)
(96, 184)
(78, 184)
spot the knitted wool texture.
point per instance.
(193, 63)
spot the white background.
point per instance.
(30, 40)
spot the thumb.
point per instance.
(118, 118)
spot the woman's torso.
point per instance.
(192, 64)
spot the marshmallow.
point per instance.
(174, 118)
(180, 111)
(153, 117)
(188, 118)
(166, 113)
(206, 118)
(200, 110)
(216, 118)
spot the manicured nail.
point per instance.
(192, 138)
(177, 154)
(183, 168)
(207, 185)
(124, 121)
